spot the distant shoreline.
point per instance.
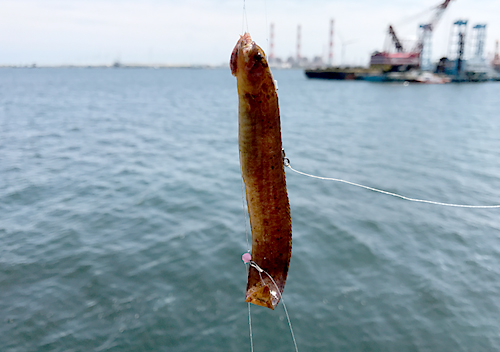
(114, 66)
(119, 65)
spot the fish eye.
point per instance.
(258, 56)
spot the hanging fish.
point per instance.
(262, 169)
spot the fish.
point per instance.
(262, 169)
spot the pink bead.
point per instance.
(246, 258)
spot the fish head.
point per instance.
(248, 61)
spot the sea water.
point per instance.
(122, 219)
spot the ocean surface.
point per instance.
(122, 222)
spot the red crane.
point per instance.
(395, 40)
(390, 61)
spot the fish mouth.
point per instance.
(246, 45)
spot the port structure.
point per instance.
(496, 59)
(424, 45)
(457, 46)
(299, 39)
(395, 40)
(465, 60)
(272, 57)
(330, 45)
(419, 57)
(478, 39)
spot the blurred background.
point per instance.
(122, 222)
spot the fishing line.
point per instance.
(244, 213)
(267, 27)
(260, 270)
(246, 255)
(245, 19)
(249, 316)
(250, 325)
(287, 164)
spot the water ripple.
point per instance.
(122, 223)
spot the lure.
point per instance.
(262, 169)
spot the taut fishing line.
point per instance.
(267, 26)
(244, 213)
(247, 259)
(260, 270)
(287, 164)
(245, 19)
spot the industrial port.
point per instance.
(403, 62)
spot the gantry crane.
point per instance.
(425, 41)
(419, 55)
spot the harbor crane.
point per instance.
(395, 40)
(425, 42)
(420, 55)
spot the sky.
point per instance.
(196, 32)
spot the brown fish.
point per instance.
(263, 173)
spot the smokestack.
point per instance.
(330, 53)
(298, 43)
(271, 43)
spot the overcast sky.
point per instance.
(52, 32)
